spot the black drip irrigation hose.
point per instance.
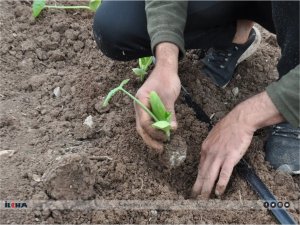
(200, 114)
(245, 170)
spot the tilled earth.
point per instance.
(56, 157)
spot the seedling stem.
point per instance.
(66, 7)
(158, 111)
(140, 104)
(39, 5)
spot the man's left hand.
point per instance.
(223, 148)
(229, 140)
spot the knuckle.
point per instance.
(145, 125)
(206, 178)
(204, 146)
(220, 187)
(210, 153)
(224, 176)
(140, 94)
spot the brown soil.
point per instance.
(174, 153)
(58, 157)
(69, 178)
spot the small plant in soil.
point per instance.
(158, 112)
(39, 5)
(175, 149)
(144, 64)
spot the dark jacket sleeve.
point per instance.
(286, 21)
(285, 94)
(166, 22)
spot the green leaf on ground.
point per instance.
(37, 7)
(109, 96)
(124, 82)
(94, 4)
(145, 62)
(139, 72)
(113, 92)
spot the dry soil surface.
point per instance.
(56, 157)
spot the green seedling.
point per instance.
(144, 64)
(39, 5)
(158, 112)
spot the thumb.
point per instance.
(174, 123)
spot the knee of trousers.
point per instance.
(109, 37)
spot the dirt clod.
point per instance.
(282, 178)
(42, 55)
(174, 152)
(70, 177)
(57, 55)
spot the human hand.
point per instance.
(229, 140)
(165, 81)
(223, 148)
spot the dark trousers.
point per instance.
(120, 27)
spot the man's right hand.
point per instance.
(165, 81)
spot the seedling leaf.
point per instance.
(168, 116)
(149, 61)
(94, 4)
(145, 62)
(124, 82)
(141, 62)
(139, 72)
(37, 7)
(157, 107)
(113, 92)
(163, 125)
(109, 96)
